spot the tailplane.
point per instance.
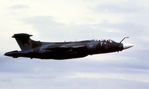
(23, 41)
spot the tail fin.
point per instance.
(24, 41)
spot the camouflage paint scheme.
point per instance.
(62, 50)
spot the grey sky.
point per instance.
(71, 20)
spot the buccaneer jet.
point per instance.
(63, 50)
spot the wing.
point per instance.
(66, 48)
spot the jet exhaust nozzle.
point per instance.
(12, 53)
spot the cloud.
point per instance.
(129, 77)
(69, 73)
(19, 7)
(71, 20)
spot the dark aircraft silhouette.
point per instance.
(63, 50)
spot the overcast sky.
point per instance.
(72, 20)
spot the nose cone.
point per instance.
(126, 46)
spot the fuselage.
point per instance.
(62, 50)
(66, 50)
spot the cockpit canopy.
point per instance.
(109, 41)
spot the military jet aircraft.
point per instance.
(63, 50)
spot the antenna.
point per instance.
(123, 39)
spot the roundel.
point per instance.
(30, 42)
